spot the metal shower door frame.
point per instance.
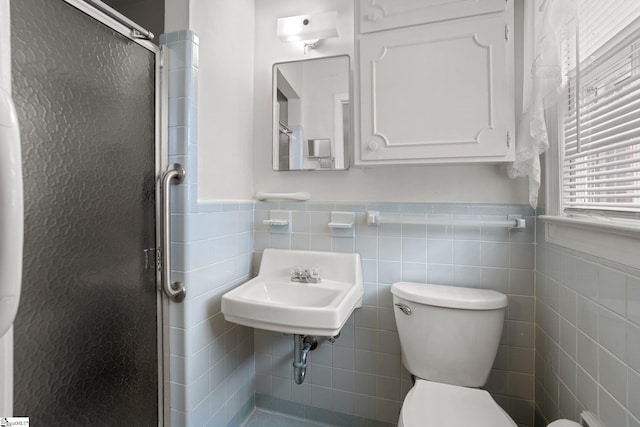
(6, 341)
(161, 161)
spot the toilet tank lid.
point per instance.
(450, 296)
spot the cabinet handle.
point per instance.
(373, 15)
(373, 146)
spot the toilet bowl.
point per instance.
(435, 404)
(449, 337)
(442, 405)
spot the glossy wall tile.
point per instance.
(361, 374)
(212, 371)
(587, 337)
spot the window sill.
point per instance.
(618, 242)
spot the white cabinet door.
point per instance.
(376, 15)
(437, 93)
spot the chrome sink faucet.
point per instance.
(305, 275)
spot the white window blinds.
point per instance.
(601, 165)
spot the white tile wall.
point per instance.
(588, 337)
(587, 353)
(361, 375)
(211, 376)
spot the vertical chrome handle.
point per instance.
(173, 175)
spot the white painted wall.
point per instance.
(238, 47)
(225, 100)
(321, 82)
(294, 83)
(470, 184)
(176, 15)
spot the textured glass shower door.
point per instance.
(86, 335)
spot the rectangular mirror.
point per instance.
(312, 114)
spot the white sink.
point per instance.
(272, 301)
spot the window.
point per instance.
(600, 125)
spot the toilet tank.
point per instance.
(448, 334)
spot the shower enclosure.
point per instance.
(88, 341)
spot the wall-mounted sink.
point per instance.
(274, 302)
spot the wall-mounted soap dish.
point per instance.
(279, 221)
(342, 224)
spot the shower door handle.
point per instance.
(173, 175)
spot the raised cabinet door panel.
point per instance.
(437, 93)
(376, 15)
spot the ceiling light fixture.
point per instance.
(309, 29)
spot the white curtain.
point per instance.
(542, 83)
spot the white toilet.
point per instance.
(449, 337)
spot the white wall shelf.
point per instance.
(299, 197)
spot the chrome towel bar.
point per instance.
(512, 221)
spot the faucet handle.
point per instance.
(314, 274)
(297, 272)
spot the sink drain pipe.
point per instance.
(302, 345)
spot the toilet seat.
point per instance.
(431, 404)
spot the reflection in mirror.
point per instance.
(311, 114)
